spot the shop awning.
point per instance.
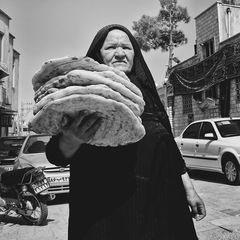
(223, 65)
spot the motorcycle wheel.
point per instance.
(36, 210)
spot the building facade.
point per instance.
(9, 78)
(208, 84)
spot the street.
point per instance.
(222, 221)
(13, 228)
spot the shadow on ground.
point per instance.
(60, 199)
(207, 176)
(14, 219)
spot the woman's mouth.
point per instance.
(119, 63)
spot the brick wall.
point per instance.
(234, 104)
(209, 24)
(181, 120)
(207, 27)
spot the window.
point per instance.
(238, 89)
(198, 96)
(1, 46)
(206, 128)
(36, 144)
(208, 48)
(232, 2)
(212, 92)
(192, 131)
(229, 128)
(187, 103)
(195, 49)
(10, 146)
(14, 73)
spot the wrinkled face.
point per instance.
(117, 51)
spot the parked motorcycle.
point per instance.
(25, 193)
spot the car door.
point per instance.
(207, 148)
(188, 142)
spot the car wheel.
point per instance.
(231, 172)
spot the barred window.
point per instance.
(187, 103)
(238, 89)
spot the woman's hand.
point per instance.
(196, 204)
(78, 130)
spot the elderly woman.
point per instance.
(140, 191)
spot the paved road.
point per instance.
(222, 221)
(14, 228)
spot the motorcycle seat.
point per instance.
(14, 177)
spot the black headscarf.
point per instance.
(140, 75)
(148, 213)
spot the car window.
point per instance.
(207, 128)
(229, 128)
(192, 131)
(36, 144)
(9, 147)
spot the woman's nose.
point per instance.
(119, 52)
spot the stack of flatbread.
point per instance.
(65, 86)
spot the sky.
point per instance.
(48, 29)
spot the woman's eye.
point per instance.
(127, 48)
(110, 47)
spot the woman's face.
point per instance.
(117, 51)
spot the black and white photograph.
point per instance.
(119, 120)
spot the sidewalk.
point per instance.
(223, 211)
(217, 226)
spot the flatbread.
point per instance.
(85, 78)
(68, 85)
(100, 90)
(62, 81)
(61, 66)
(119, 127)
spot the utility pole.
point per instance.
(170, 58)
(170, 47)
(170, 40)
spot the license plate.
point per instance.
(58, 179)
(40, 186)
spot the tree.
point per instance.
(161, 31)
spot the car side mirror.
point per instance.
(210, 136)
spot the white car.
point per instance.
(32, 154)
(213, 145)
